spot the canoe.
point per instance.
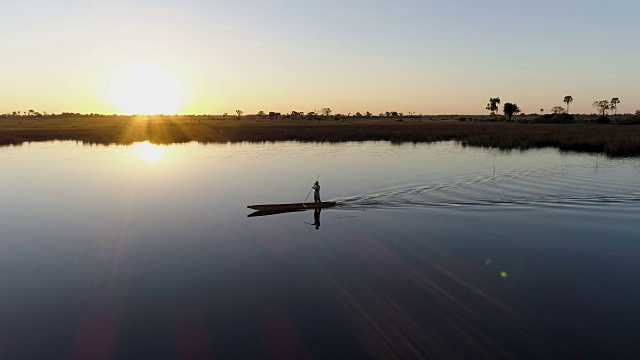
(298, 206)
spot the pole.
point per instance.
(305, 199)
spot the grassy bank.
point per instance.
(613, 140)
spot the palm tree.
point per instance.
(542, 111)
(568, 100)
(614, 105)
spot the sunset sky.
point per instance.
(210, 57)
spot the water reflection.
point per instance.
(454, 257)
(316, 215)
(316, 218)
(149, 152)
(273, 212)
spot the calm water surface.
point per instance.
(434, 251)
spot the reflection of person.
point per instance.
(316, 218)
(316, 193)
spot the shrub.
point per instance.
(603, 120)
(631, 120)
(462, 119)
(555, 119)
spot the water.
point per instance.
(434, 250)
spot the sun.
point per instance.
(145, 88)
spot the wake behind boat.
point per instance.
(297, 206)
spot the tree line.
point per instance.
(510, 109)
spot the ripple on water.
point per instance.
(558, 185)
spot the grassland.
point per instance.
(612, 140)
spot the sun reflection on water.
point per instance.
(149, 152)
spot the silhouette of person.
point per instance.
(316, 218)
(316, 193)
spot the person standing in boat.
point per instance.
(316, 193)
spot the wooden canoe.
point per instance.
(298, 206)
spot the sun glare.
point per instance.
(145, 88)
(149, 152)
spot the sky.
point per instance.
(211, 57)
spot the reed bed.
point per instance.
(612, 140)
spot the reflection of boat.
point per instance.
(272, 212)
(298, 206)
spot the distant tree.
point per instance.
(326, 111)
(387, 114)
(637, 112)
(509, 109)
(568, 100)
(14, 113)
(368, 114)
(239, 112)
(31, 112)
(358, 114)
(311, 113)
(394, 114)
(541, 111)
(492, 106)
(557, 110)
(273, 114)
(260, 113)
(614, 105)
(602, 105)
